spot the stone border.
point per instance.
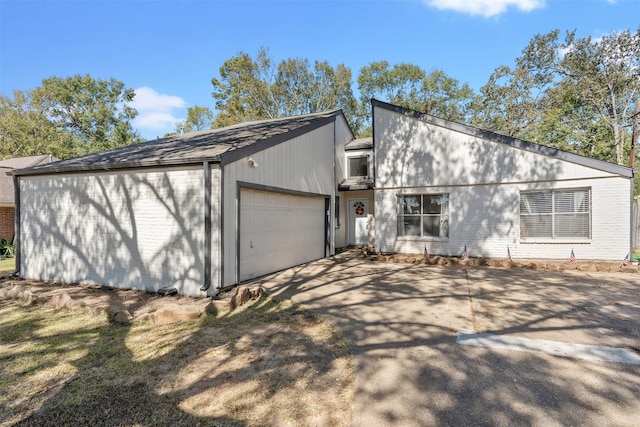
(549, 265)
(130, 304)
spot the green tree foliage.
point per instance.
(577, 94)
(250, 89)
(409, 86)
(67, 117)
(198, 118)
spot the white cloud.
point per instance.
(156, 111)
(486, 8)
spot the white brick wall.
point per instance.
(139, 229)
(484, 180)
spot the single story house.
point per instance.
(7, 196)
(208, 210)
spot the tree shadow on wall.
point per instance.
(123, 230)
(483, 179)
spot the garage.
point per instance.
(279, 230)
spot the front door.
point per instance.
(358, 222)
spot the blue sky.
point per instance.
(168, 51)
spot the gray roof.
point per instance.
(221, 145)
(514, 142)
(356, 184)
(7, 166)
(359, 144)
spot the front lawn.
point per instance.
(7, 264)
(266, 363)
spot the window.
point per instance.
(558, 214)
(358, 166)
(423, 215)
(337, 211)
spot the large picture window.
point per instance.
(555, 214)
(423, 215)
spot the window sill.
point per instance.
(423, 238)
(555, 241)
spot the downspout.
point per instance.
(16, 224)
(207, 226)
(632, 158)
(631, 217)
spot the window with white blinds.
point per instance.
(555, 214)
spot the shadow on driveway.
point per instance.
(401, 320)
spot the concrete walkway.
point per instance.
(401, 320)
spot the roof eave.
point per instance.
(111, 167)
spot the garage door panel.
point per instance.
(278, 231)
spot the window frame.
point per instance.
(444, 212)
(557, 235)
(358, 156)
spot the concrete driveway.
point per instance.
(404, 323)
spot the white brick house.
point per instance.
(207, 210)
(443, 185)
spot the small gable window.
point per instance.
(358, 166)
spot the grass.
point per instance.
(268, 363)
(7, 264)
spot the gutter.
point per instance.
(45, 170)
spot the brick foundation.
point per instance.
(6, 222)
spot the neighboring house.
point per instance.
(197, 212)
(443, 185)
(7, 197)
(208, 210)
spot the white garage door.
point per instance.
(278, 231)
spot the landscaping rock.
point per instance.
(15, 292)
(62, 300)
(588, 267)
(99, 310)
(257, 292)
(241, 296)
(29, 297)
(122, 317)
(3, 293)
